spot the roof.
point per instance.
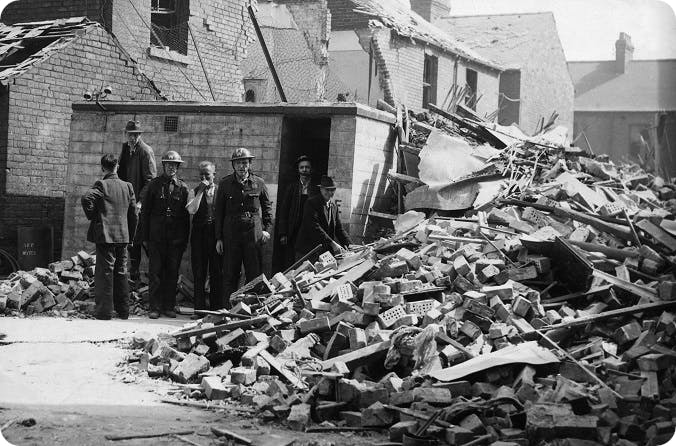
(301, 77)
(508, 39)
(24, 45)
(407, 23)
(646, 85)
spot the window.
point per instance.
(170, 24)
(250, 96)
(471, 97)
(509, 100)
(430, 80)
(171, 123)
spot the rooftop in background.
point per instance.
(507, 38)
(408, 24)
(24, 45)
(587, 30)
(646, 85)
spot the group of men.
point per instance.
(131, 208)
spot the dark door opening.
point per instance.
(300, 136)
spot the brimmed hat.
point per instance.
(172, 157)
(327, 183)
(133, 127)
(241, 154)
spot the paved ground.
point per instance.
(63, 373)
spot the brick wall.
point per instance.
(213, 136)
(546, 85)
(344, 18)
(38, 121)
(221, 29)
(374, 157)
(431, 10)
(314, 19)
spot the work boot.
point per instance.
(154, 315)
(170, 313)
(103, 317)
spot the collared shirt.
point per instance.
(304, 187)
(134, 166)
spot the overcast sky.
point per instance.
(589, 28)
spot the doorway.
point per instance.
(300, 136)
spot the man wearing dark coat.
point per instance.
(110, 206)
(321, 223)
(165, 226)
(291, 209)
(137, 166)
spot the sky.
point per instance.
(588, 29)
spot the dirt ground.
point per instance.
(64, 375)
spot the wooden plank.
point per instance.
(254, 321)
(403, 178)
(565, 298)
(220, 432)
(279, 367)
(658, 234)
(351, 276)
(630, 287)
(357, 355)
(611, 314)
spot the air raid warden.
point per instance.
(243, 222)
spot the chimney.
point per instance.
(431, 10)
(624, 51)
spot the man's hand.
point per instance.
(219, 247)
(337, 248)
(283, 239)
(266, 237)
(138, 205)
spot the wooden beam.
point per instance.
(279, 367)
(637, 290)
(611, 314)
(357, 355)
(351, 276)
(247, 323)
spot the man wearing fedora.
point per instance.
(137, 166)
(165, 226)
(243, 222)
(291, 209)
(321, 223)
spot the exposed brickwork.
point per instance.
(343, 16)
(221, 30)
(38, 110)
(431, 10)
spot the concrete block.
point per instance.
(190, 367)
(243, 375)
(214, 389)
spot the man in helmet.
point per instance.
(243, 222)
(165, 226)
(137, 166)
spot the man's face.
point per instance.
(208, 174)
(170, 169)
(241, 167)
(327, 193)
(304, 168)
(132, 138)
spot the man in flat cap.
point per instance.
(136, 166)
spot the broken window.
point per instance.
(170, 24)
(509, 101)
(471, 97)
(430, 80)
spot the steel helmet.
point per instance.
(241, 154)
(172, 157)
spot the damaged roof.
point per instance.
(508, 39)
(24, 45)
(406, 23)
(646, 85)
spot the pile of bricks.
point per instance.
(65, 288)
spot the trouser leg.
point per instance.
(172, 264)
(135, 260)
(253, 259)
(120, 282)
(232, 264)
(215, 272)
(103, 276)
(199, 259)
(156, 254)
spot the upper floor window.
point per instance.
(472, 92)
(169, 20)
(430, 80)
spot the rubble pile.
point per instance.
(547, 315)
(65, 288)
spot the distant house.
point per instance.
(627, 108)
(536, 81)
(387, 49)
(44, 67)
(296, 34)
